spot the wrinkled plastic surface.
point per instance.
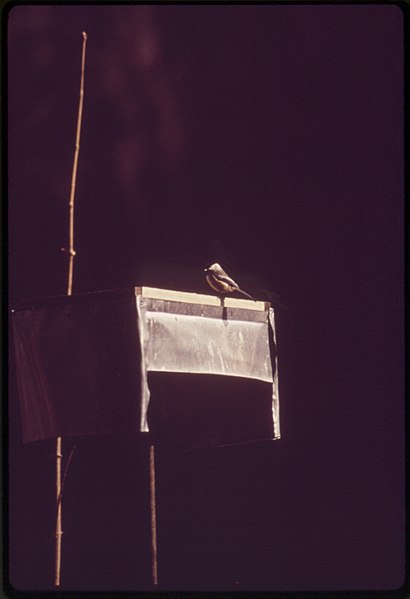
(75, 366)
(241, 345)
(82, 362)
(184, 343)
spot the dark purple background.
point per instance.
(269, 138)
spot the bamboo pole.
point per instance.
(59, 532)
(154, 561)
(71, 252)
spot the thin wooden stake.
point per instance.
(71, 252)
(154, 562)
(59, 532)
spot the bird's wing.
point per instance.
(225, 279)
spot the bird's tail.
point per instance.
(247, 294)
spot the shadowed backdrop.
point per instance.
(268, 138)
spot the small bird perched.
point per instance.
(222, 282)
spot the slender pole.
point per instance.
(154, 563)
(71, 251)
(59, 532)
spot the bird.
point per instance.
(221, 282)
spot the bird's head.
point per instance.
(213, 267)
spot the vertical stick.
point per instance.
(71, 251)
(59, 532)
(154, 563)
